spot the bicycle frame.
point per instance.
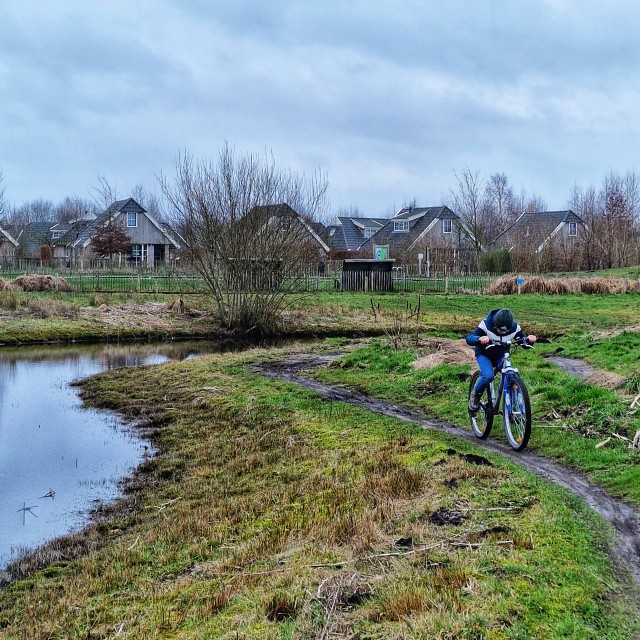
(504, 370)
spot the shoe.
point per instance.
(474, 402)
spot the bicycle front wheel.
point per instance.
(516, 412)
(482, 419)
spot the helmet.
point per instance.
(503, 319)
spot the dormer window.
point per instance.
(446, 225)
(132, 219)
(285, 223)
(368, 232)
(401, 225)
(573, 228)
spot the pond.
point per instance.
(59, 459)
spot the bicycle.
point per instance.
(516, 408)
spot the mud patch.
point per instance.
(442, 517)
(581, 369)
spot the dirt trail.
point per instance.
(622, 516)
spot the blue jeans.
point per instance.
(487, 374)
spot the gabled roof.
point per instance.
(33, 235)
(347, 233)
(116, 210)
(539, 226)
(420, 220)
(9, 237)
(269, 211)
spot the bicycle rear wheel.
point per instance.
(482, 419)
(516, 412)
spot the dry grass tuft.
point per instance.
(5, 285)
(507, 285)
(280, 607)
(444, 351)
(34, 282)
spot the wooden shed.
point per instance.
(367, 275)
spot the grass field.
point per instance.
(271, 514)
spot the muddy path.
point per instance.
(622, 516)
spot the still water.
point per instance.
(57, 458)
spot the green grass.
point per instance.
(271, 514)
(570, 416)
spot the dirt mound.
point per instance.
(444, 351)
(507, 285)
(34, 282)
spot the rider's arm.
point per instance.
(473, 339)
(522, 337)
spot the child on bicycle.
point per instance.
(498, 325)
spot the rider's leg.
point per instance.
(486, 376)
(487, 373)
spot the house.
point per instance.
(435, 235)
(152, 242)
(31, 237)
(544, 240)
(292, 227)
(8, 246)
(346, 234)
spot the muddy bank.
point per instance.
(622, 516)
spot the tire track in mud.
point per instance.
(620, 515)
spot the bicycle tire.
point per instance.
(516, 412)
(482, 419)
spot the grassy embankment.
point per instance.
(270, 514)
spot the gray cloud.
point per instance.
(389, 98)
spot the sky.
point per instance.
(390, 99)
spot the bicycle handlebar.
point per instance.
(521, 343)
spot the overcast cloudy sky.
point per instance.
(388, 97)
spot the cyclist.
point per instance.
(498, 325)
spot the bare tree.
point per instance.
(234, 214)
(104, 194)
(3, 202)
(584, 202)
(469, 203)
(499, 202)
(148, 201)
(73, 208)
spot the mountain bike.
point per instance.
(507, 388)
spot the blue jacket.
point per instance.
(487, 328)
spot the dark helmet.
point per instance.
(503, 319)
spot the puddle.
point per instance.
(57, 458)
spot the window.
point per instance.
(369, 231)
(573, 228)
(285, 223)
(136, 251)
(401, 225)
(446, 225)
(132, 219)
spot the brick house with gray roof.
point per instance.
(436, 232)
(544, 241)
(152, 242)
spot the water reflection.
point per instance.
(57, 458)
